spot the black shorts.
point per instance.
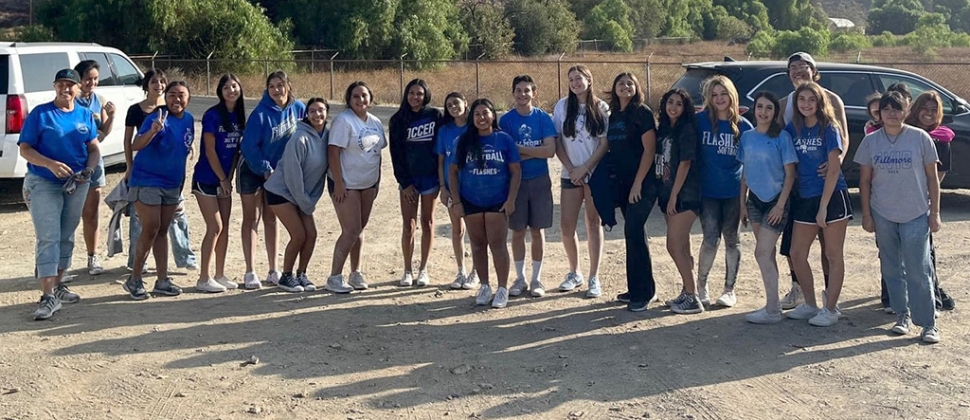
(943, 151)
(664, 200)
(247, 181)
(207, 190)
(474, 209)
(568, 185)
(274, 199)
(804, 210)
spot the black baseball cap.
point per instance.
(67, 74)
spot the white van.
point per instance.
(26, 80)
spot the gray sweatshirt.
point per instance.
(300, 173)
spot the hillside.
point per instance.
(14, 13)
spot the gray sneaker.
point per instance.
(308, 285)
(572, 281)
(471, 282)
(357, 281)
(593, 287)
(690, 305)
(677, 300)
(65, 295)
(903, 324)
(48, 305)
(135, 288)
(166, 287)
(931, 335)
(94, 265)
(336, 284)
(518, 287)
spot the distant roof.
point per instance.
(842, 23)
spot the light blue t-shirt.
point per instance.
(59, 135)
(813, 148)
(720, 169)
(488, 185)
(445, 145)
(94, 104)
(529, 131)
(161, 164)
(764, 159)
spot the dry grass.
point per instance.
(491, 79)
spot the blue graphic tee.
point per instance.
(720, 169)
(227, 146)
(813, 149)
(529, 131)
(161, 164)
(59, 135)
(487, 184)
(764, 159)
(446, 143)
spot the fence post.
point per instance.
(858, 58)
(265, 67)
(559, 73)
(649, 82)
(313, 62)
(208, 73)
(478, 80)
(402, 77)
(331, 73)
(153, 59)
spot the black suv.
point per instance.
(853, 83)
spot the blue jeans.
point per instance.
(178, 235)
(55, 215)
(904, 257)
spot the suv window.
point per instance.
(853, 88)
(778, 83)
(105, 78)
(692, 81)
(38, 70)
(127, 73)
(4, 73)
(915, 86)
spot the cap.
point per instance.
(67, 74)
(802, 56)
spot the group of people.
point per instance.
(781, 175)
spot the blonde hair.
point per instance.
(823, 110)
(734, 115)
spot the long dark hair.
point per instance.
(447, 118)
(775, 128)
(326, 105)
(470, 143)
(637, 92)
(239, 110)
(594, 120)
(686, 117)
(280, 74)
(405, 106)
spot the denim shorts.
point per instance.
(97, 178)
(55, 215)
(154, 196)
(758, 213)
(247, 181)
(425, 184)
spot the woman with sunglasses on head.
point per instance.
(453, 125)
(222, 128)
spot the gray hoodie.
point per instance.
(300, 174)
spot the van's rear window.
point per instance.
(692, 81)
(4, 73)
(38, 70)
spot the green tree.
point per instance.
(848, 41)
(488, 28)
(790, 15)
(957, 13)
(932, 32)
(762, 44)
(896, 16)
(752, 12)
(610, 21)
(542, 26)
(806, 39)
(648, 17)
(730, 28)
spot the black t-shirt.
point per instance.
(135, 117)
(625, 133)
(673, 147)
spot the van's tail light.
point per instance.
(743, 110)
(16, 113)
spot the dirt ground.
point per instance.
(429, 353)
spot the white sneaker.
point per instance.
(572, 281)
(484, 295)
(825, 318)
(357, 281)
(501, 298)
(762, 316)
(793, 298)
(274, 277)
(459, 280)
(536, 289)
(931, 335)
(728, 299)
(704, 296)
(407, 280)
(228, 284)
(593, 289)
(251, 281)
(336, 284)
(825, 302)
(209, 286)
(471, 281)
(192, 266)
(423, 279)
(67, 278)
(518, 287)
(94, 265)
(802, 312)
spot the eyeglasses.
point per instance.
(799, 67)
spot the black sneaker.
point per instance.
(947, 303)
(166, 287)
(304, 281)
(638, 306)
(135, 288)
(624, 298)
(290, 284)
(690, 305)
(65, 294)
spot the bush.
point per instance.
(885, 39)
(542, 26)
(610, 21)
(487, 28)
(731, 27)
(845, 41)
(961, 40)
(806, 39)
(896, 16)
(761, 44)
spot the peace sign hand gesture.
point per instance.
(159, 124)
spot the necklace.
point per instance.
(892, 140)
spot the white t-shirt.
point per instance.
(362, 141)
(579, 148)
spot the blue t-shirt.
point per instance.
(94, 104)
(161, 164)
(59, 135)
(445, 145)
(764, 159)
(227, 146)
(720, 169)
(488, 184)
(813, 149)
(529, 131)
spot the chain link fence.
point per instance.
(322, 73)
